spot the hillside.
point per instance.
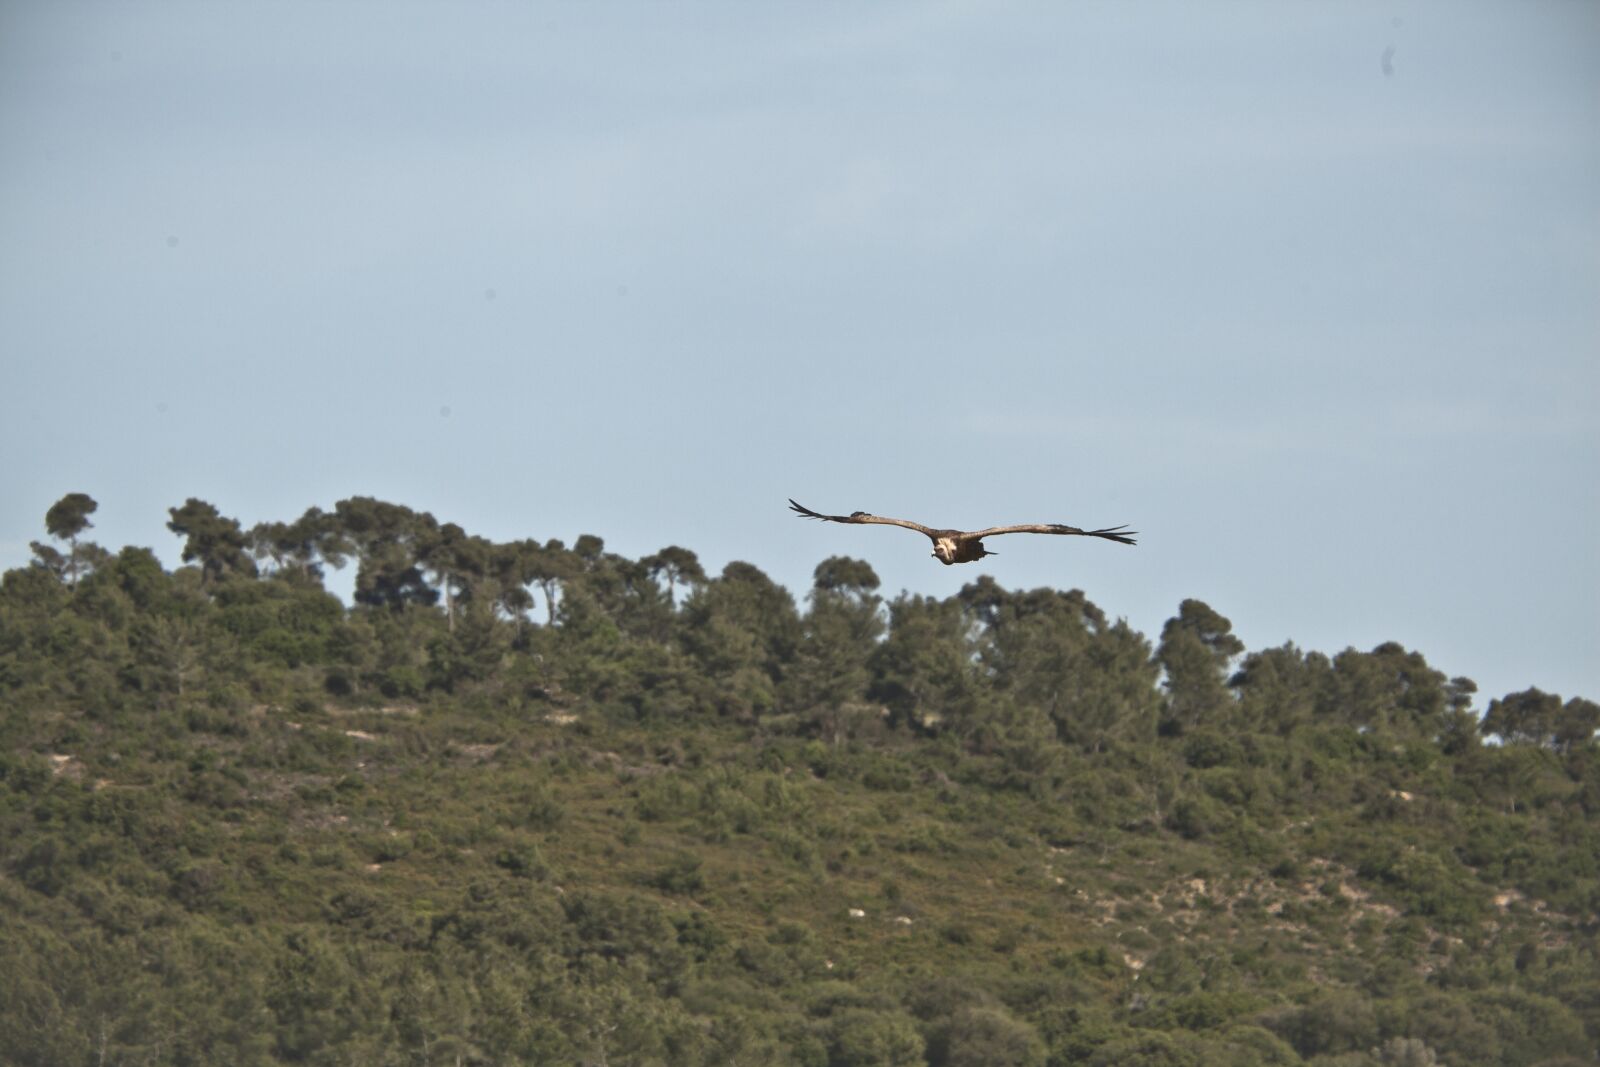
(535, 804)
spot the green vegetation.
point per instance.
(525, 803)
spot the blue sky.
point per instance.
(1326, 333)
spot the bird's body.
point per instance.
(965, 546)
(949, 548)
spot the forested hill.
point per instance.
(531, 803)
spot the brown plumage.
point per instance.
(965, 546)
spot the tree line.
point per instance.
(944, 665)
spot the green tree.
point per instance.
(678, 566)
(66, 519)
(1155, 1048)
(827, 684)
(861, 1037)
(1576, 725)
(742, 630)
(1280, 689)
(1392, 690)
(1054, 654)
(1340, 1021)
(1535, 717)
(924, 671)
(549, 568)
(472, 650)
(292, 622)
(213, 540)
(459, 563)
(299, 549)
(1195, 651)
(69, 516)
(1531, 716)
(984, 1037)
(507, 581)
(388, 541)
(625, 592)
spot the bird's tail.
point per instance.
(1120, 534)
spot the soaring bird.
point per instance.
(965, 546)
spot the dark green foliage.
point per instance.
(282, 623)
(213, 540)
(830, 674)
(1537, 718)
(984, 1037)
(858, 1037)
(1196, 648)
(674, 820)
(681, 875)
(66, 519)
(69, 516)
(388, 540)
(741, 630)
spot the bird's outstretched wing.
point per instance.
(1120, 534)
(860, 517)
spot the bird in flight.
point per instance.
(966, 546)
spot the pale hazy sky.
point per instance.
(1307, 293)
